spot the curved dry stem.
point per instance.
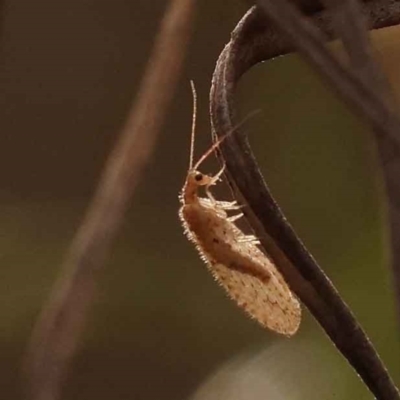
(350, 25)
(61, 322)
(254, 41)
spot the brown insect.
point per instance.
(246, 273)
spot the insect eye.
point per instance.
(198, 177)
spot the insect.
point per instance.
(249, 277)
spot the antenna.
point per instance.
(223, 137)
(211, 149)
(194, 94)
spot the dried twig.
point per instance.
(252, 41)
(58, 329)
(349, 22)
(349, 85)
(350, 26)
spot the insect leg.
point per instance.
(217, 177)
(230, 205)
(248, 239)
(235, 217)
(210, 196)
(213, 181)
(223, 205)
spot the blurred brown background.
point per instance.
(161, 328)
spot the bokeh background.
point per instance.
(160, 327)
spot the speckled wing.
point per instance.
(247, 274)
